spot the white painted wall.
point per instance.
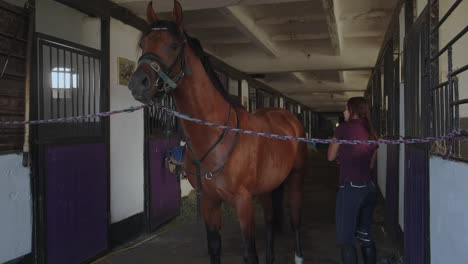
(382, 168)
(449, 214)
(420, 5)
(15, 208)
(448, 179)
(58, 20)
(126, 131)
(401, 162)
(245, 93)
(281, 102)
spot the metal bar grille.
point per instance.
(446, 96)
(444, 18)
(446, 47)
(69, 84)
(158, 123)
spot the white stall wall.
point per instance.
(449, 217)
(245, 93)
(16, 208)
(420, 5)
(401, 164)
(382, 168)
(60, 21)
(126, 131)
(448, 179)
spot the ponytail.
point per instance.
(369, 128)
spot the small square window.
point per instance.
(62, 81)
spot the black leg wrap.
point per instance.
(298, 244)
(369, 254)
(270, 255)
(250, 252)
(348, 254)
(214, 245)
(278, 211)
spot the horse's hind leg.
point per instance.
(267, 204)
(212, 217)
(296, 197)
(244, 207)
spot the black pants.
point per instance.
(355, 205)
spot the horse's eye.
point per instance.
(174, 46)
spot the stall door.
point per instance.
(163, 188)
(71, 158)
(417, 116)
(416, 206)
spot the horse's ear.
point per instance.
(177, 13)
(151, 16)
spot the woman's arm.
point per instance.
(333, 151)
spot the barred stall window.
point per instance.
(252, 99)
(449, 75)
(68, 84)
(264, 99)
(63, 81)
(158, 123)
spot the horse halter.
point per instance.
(160, 68)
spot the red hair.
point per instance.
(359, 107)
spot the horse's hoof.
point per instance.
(297, 259)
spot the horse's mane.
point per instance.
(198, 49)
(196, 46)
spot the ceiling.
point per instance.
(319, 52)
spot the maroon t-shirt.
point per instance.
(355, 159)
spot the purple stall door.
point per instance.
(416, 204)
(164, 186)
(76, 197)
(392, 191)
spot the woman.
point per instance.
(357, 195)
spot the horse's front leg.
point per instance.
(244, 207)
(212, 216)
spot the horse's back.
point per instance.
(278, 121)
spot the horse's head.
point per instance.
(162, 65)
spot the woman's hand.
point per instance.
(333, 151)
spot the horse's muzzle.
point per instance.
(139, 84)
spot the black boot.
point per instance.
(369, 255)
(348, 255)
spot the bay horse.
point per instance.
(230, 166)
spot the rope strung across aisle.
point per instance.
(454, 134)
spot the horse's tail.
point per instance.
(278, 208)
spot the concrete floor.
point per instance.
(184, 240)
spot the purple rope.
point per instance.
(454, 134)
(65, 119)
